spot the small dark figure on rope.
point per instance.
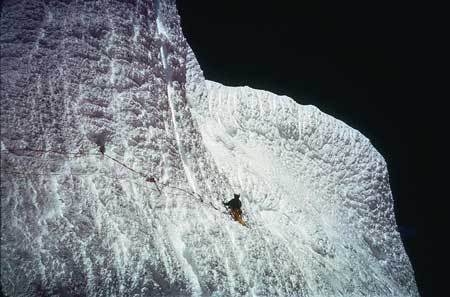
(102, 149)
(235, 209)
(150, 179)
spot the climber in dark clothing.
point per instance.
(234, 203)
(235, 209)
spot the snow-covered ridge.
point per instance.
(76, 75)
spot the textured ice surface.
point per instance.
(78, 74)
(315, 185)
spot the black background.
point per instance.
(369, 64)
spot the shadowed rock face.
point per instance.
(76, 75)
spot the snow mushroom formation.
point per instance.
(145, 218)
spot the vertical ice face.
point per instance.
(76, 75)
(313, 183)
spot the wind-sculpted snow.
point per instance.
(314, 184)
(78, 75)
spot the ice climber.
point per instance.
(235, 208)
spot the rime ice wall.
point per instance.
(79, 74)
(76, 75)
(316, 184)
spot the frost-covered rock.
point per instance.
(76, 75)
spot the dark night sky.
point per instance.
(366, 63)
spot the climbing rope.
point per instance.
(16, 150)
(38, 173)
(148, 178)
